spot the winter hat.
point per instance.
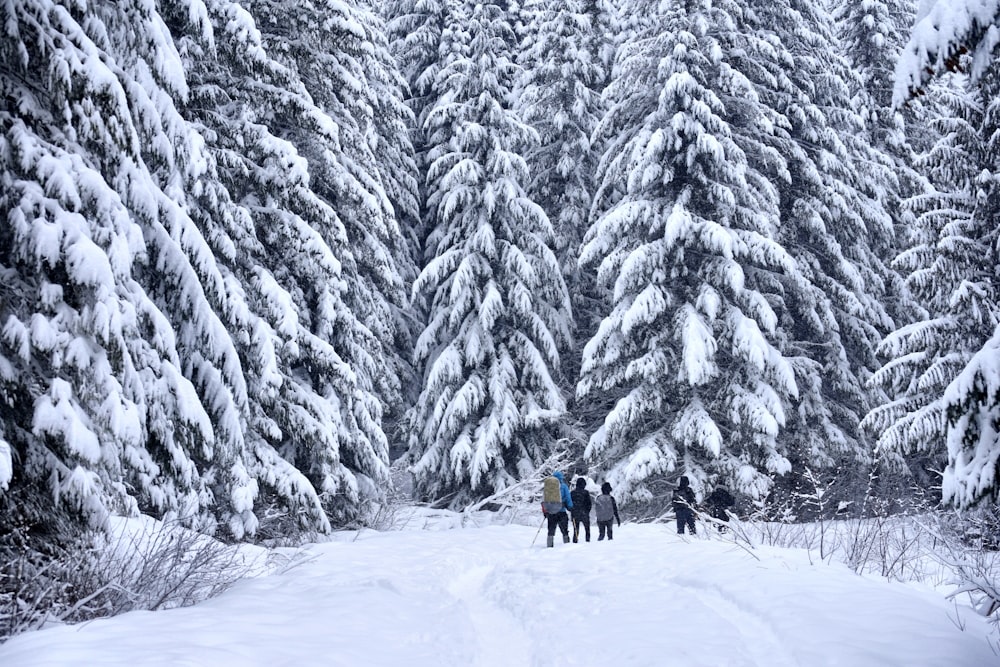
(581, 483)
(684, 481)
(606, 487)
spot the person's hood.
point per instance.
(559, 476)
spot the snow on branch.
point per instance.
(528, 489)
(947, 31)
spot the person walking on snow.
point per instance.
(719, 502)
(555, 501)
(581, 509)
(606, 510)
(683, 500)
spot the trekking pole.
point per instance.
(537, 532)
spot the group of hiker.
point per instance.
(683, 500)
(557, 500)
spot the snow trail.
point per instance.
(501, 641)
(481, 597)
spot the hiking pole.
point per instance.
(537, 532)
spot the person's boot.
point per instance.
(550, 541)
(566, 539)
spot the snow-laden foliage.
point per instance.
(685, 240)
(392, 121)
(972, 399)
(489, 404)
(834, 192)
(559, 96)
(414, 32)
(941, 367)
(328, 44)
(873, 33)
(316, 413)
(179, 330)
(104, 391)
(972, 405)
(942, 263)
(945, 32)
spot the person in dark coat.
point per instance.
(719, 502)
(582, 503)
(606, 512)
(683, 499)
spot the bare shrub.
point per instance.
(160, 567)
(973, 569)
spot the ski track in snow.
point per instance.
(759, 641)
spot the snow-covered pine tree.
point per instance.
(873, 35)
(833, 222)
(945, 31)
(415, 30)
(685, 241)
(935, 369)
(104, 394)
(604, 36)
(314, 425)
(392, 122)
(490, 407)
(327, 43)
(869, 32)
(559, 96)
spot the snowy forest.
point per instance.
(255, 255)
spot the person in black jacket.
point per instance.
(719, 502)
(683, 499)
(582, 503)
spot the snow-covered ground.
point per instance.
(439, 594)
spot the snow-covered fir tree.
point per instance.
(392, 122)
(559, 96)
(941, 368)
(684, 239)
(414, 29)
(944, 261)
(955, 265)
(115, 396)
(873, 34)
(329, 46)
(833, 191)
(489, 408)
(316, 419)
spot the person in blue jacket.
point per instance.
(559, 518)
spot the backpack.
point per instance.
(552, 496)
(604, 507)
